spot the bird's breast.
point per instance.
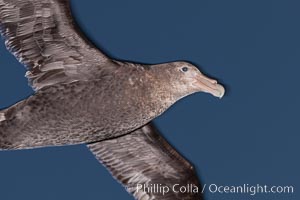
(80, 112)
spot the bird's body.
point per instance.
(85, 111)
(83, 96)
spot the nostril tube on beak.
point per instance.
(210, 80)
(214, 81)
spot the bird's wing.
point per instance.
(145, 159)
(43, 36)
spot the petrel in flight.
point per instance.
(84, 97)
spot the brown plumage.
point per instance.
(82, 96)
(156, 165)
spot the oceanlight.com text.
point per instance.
(248, 189)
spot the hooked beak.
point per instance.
(208, 85)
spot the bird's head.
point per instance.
(184, 78)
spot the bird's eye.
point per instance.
(184, 69)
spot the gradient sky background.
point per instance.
(251, 136)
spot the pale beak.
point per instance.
(208, 85)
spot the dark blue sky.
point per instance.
(251, 136)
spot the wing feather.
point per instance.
(145, 159)
(43, 36)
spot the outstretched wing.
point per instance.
(147, 165)
(42, 35)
